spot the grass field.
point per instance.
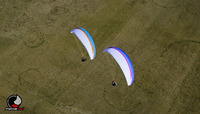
(41, 61)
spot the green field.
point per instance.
(41, 60)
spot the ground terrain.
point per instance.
(41, 61)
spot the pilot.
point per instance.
(84, 59)
(114, 83)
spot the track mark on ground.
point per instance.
(34, 42)
(73, 109)
(196, 11)
(26, 82)
(116, 98)
(156, 2)
(127, 26)
(177, 42)
(19, 16)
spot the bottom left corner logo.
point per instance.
(13, 102)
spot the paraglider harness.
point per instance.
(83, 59)
(114, 83)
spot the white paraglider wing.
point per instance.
(124, 62)
(86, 40)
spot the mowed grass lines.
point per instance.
(41, 60)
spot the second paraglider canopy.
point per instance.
(124, 62)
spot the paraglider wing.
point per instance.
(124, 62)
(86, 40)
